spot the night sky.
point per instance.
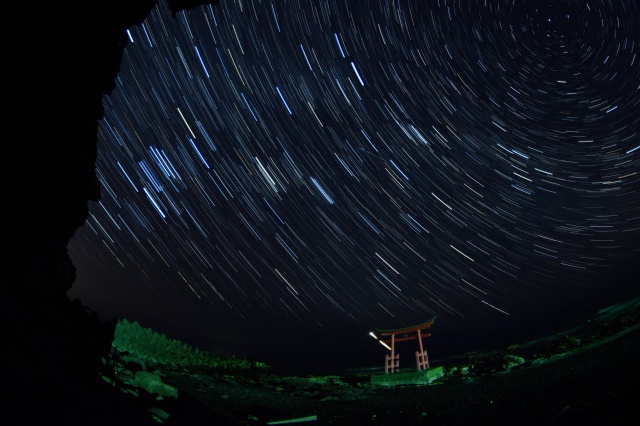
(279, 175)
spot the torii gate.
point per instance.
(392, 361)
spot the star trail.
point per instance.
(327, 166)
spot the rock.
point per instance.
(153, 384)
(53, 347)
(510, 361)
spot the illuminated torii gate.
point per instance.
(392, 361)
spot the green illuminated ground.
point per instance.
(583, 375)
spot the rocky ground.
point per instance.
(584, 379)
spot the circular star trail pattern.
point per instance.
(336, 164)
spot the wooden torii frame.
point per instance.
(392, 361)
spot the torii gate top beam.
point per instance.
(421, 326)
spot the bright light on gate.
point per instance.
(379, 341)
(384, 344)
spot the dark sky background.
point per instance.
(281, 177)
